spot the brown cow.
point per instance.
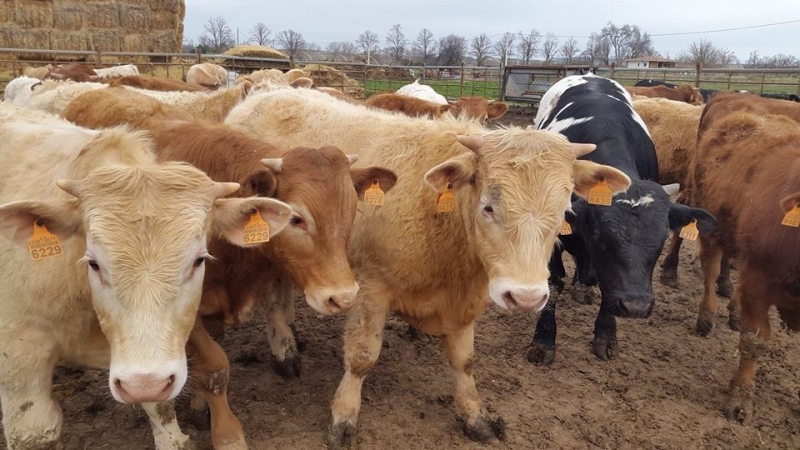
(108, 107)
(747, 173)
(437, 269)
(723, 103)
(410, 106)
(73, 71)
(317, 183)
(683, 93)
(480, 108)
(154, 83)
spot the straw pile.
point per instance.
(389, 73)
(104, 25)
(327, 76)
(256, 51)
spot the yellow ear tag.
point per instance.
(446, 201)
(690, 232)
(566, 229)
(792, 218)
(600, 194)
(256, 231)
(43, 243)
(374, 194)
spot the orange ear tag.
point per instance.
(446, 201)
(565, 229)
(256, 231)
(792, 218)
(600, 194)
(43, 243)
(690, 232)
(374, 194)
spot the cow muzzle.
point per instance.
(636, 308)
(147, 386)
(514, 296)
(332, 301)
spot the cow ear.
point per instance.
(364, 177)
(788, 203)
(61, 217)
(261, 183)
(682, 215)
(302, 82)
(230, 215)
(587, 174)
(496, 109)
(458, 170)
(444, 108)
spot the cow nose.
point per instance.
(526, 299)
(635, 309)
(144, 388)
(333, 301)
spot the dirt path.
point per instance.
(664, 392)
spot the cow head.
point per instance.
(323, 191)
(624, 241)
(511, 190)
(145, 230)
(479, 108)
(692, 94)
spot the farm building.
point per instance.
(650, 62)
(111, 25)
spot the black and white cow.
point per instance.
(616, 246)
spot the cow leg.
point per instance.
(211, 372)
(724, 285)
(280, 332)
(604, 344)
(459, 347)
(543, 346)
(31, 418)
(669, 268)
(585, 279)
(363, 337)
(166, 432)
(710, 258)
(753, 298)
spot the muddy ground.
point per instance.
(665, 391)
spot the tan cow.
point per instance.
(37, 72)
(436, 269)
(683, 93)
(211, 76)
(102, 259)
(209, 106)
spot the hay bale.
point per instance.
(69, 18)
(7, 12)
(68, 40)
(7, 35)
(103, 40)
(136, 17)
(34, 14)
(256, 51)
(327, 76)
(102, 15)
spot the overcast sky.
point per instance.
(327, 21)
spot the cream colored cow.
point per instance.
(102, 263)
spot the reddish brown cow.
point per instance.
(73, 71)
(480, 108)
(410, 106)
(683, 93)
(154, 83)
(317, 183)
(108, 107)
(747, 173)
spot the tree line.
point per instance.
(612, 43)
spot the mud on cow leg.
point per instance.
(460, 349)
(724, 285)
(604, 344)
(669, 268)
(280, 329)
(166, 432)
(210, 372)
(711, 258)
(363, 337)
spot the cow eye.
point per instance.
(199, 261)
(488, 209)
(93, 265)
(296, 221)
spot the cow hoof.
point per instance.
(583, 294)
(486, 430)
(705, 324)
(413, 334)
(739, 407)
(288, 368)
(669, 278)
(725, 289)
(342, 436)
(605, 349)
(301, 345)
(541, 354)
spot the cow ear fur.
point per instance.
(496, 109)
(787, 203)
(458, 170)
(587, 174)
(682, 215)
(363, 178)
(261, 183)
(61, 217)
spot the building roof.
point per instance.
(650, 59)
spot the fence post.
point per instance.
(424, 69)
(291, 62)
(613, 70)
(501, 96)
(98, 58)
(697, 75)
(461, 82)
(763, 79)
(199, 57)
(798, 83)
(638, 74)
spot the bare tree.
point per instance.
(549, 48)
(528, 45)
(753, 61)
(640, 43)
(569, 49)
(368, 42)
(598, 49)
(451, 50)
(396, 43)
(291, 41)
(218, 36)
(702, 52)
(504, 47)
(619, 38)
(424, 45)
(780, 61)
(259, 34)
(480, 47)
